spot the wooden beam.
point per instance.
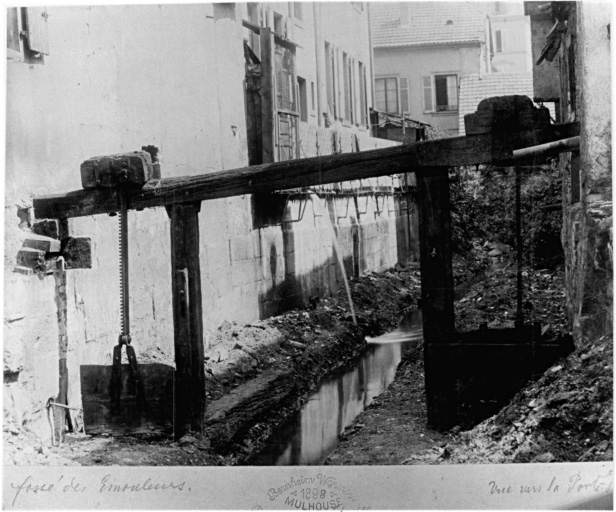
(421, 157)
(437, 295)
(189, 390)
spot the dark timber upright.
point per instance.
(436, 293)
(189, 389)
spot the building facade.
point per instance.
(102, 80)
(427, 53)
(421, 49)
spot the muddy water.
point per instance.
(312, 434)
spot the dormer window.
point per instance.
(449, 22)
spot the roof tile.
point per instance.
(428, 24)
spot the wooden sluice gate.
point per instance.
(453, 361)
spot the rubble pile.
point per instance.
(493, 301)
(565, 416)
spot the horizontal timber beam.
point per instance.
(451, 152)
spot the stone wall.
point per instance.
(587, 214)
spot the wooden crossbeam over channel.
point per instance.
(419, 157)
(182, 196)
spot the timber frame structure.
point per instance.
(430, 160)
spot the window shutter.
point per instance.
(452, 91)
(37, 30)
(404, 95)
(499, 41)
(379, 90)
(427, 93)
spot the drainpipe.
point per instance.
(371, 65)
(318, 45)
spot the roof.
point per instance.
(474, 88)
(430, 23)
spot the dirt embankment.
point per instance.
(565, 416)
(257, 375)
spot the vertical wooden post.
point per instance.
(189, 390)
(268, 96)
(437, 296)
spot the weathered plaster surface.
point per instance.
(117, 78)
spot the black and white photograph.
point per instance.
(308, 255)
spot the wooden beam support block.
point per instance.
(77, 252)
(506, 114)
(189, 390)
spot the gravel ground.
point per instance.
(565, 416)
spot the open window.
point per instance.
(440, 93)
(303, 99)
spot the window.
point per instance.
(303, 99)
(363, 96)
(279, 27)
(440, 93)
(330, 77)
(347, 66)
(386, 92)
(312, 97)
(27, 34)
(498, 36)
(253, 15)
(297, 11)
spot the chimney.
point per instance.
(405, 14)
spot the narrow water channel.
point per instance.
(312, 433)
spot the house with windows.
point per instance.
(421, 49)
(510, 38)
(321, 73)
(427, 53)
(212, 86)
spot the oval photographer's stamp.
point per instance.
(319, 492)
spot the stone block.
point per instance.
(46, 227)
(12, 352)
(31, 258)
(42, 243)
(77, 252)
(244, 272)
(241, 248)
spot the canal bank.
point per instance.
(254, 387)
(564, 416)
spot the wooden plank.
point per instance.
(437, 294)
(268, 96)
(189, 391)
(420, 156)
(155, 418)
